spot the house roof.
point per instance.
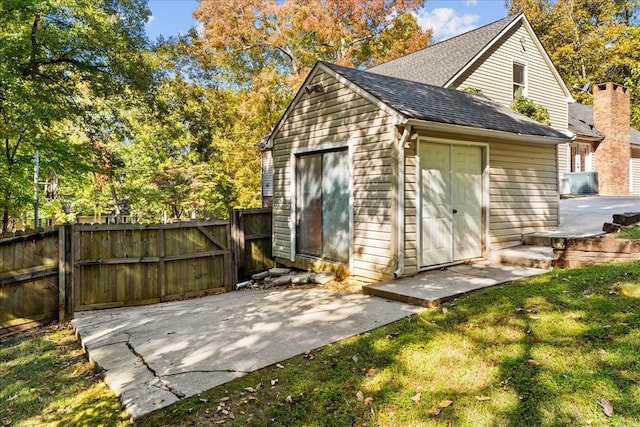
(440, 62)
(581, 123)
(436, 104)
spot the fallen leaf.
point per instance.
(483, 398)
(224, 399)
(204, 400)
(533, 362)
(392, 335)
(445, 403)
(368, 401)
(274, 382)
(289, 399)
(360, 396)
(250, 389)
(445, 310)
(355, 359)
(607, 407)
(417, 398)
(279, 366)
(371, 372)
(259, 386)
(435, 411)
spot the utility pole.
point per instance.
(36, 167)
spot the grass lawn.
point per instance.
(559, 349)
(45, 379)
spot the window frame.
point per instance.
(521, 85)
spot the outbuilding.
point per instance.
(381, 177)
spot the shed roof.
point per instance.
(431, 103)
(440, 62)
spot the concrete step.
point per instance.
(537, 240)
(525, 256)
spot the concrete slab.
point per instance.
(431, 288)
(156, 355)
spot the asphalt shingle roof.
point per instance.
(581, 123)
(436, 104)
(438, 63)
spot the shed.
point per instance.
(377, 176)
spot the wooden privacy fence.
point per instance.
(51, 274)
(28, 279)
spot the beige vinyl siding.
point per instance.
(493, 71)
(411, 189)
(634, 171)
(342, 116)
(523, 193)
(564, 152)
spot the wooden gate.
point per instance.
(125, 264)
(251, 233)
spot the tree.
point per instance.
(589, 41)
(57, 57)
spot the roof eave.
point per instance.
(487, 133)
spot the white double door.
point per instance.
(451, 203)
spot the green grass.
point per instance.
(538, 352)
(630, 232)
(45, 379)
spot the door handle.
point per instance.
(455, 211)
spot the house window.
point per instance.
(519, 79)
(322, 200)
(580, 157)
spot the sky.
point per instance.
(448, 18)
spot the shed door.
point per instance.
(451, 203)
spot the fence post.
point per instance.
(162, 278)
(65, 273)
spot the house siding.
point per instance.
(523, 193)
(542, 87)
(634, 171)
(340, 115)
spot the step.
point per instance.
(525, 256)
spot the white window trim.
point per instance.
(293, 191)
(525, 89)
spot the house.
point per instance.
(380, 176)
(604, 143)
(504, 59)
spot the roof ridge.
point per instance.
(508, 19)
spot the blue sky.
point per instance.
(447, 17)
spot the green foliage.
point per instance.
(526, 106)
(57, 59)
(471, 89)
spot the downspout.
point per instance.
(400, 204)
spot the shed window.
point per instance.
(519, 80)
(322, 228)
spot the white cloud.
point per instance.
(150, 19)
(446, 22)
(472, 2)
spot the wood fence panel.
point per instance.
(254, 232)
(28, 279)
(124, 264)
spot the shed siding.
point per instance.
(541, 85)
(634, 172)
(523, 193)
(339, 116)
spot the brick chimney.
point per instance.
(611, 117)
